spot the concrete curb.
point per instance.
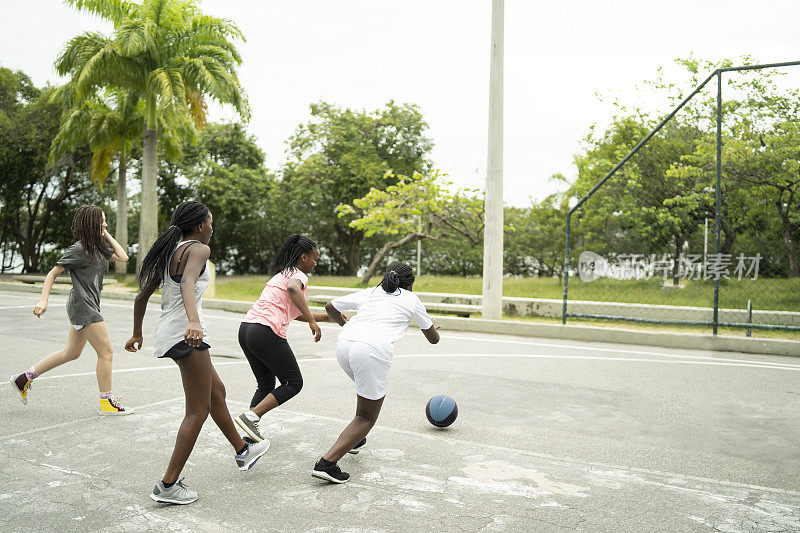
(687, 341)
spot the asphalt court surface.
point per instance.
(551, 435)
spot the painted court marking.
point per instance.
(546, 456)
(745, 363)
(584, 465)
(87, 419)
(580, 463)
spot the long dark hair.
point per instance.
(293, 247)
(185, 219)
(397, 275)
(87, 227)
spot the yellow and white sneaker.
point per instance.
(22, 385)
(112, 406)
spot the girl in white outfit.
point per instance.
(364, 351)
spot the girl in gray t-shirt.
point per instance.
(86, 262)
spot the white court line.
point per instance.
(65, 471)
(543, 455)
(429, 355)
(72, 422)
(595, 349)
(455, 335)
(136, 369)
(29, 295)
(599, 358)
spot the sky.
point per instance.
(565, 62)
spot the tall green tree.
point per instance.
(415, 208)
(534, 240)
(170, 55)
(638, 211)
(658, 201)
(35, 198)
(337, 157)
(110, 123)
(226, 171)
(110, 129)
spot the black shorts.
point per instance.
(182, 350)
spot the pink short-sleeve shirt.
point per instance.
(274, 308)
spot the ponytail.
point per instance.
(293, 247)
(185, 219)
(398, 275)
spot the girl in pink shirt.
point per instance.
(262, 333)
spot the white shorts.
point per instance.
(367, 366)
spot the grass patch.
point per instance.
(766, 294)
(776, 294)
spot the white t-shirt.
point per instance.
(382, 318)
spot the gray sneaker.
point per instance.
(249, 427)
(251, 453)
(177, 493)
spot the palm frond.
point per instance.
(115, 11)
(74, 54)
(169, 88)
(101, 160)
(175, 134)
(198, 109)
(136, 37)
(72, 132)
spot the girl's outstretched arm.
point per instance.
(334, 315)
(41, 307)
(139, 308)
(319, 317)
(432, 333)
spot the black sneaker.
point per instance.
(330, 473)
(355, 449)
(249, 427)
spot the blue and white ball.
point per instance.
(441, 410)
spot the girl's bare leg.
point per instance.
(367, 412)
(75, 343)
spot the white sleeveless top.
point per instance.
(173, 321)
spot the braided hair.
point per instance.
(293, 247)
(398, 276)
(185, 219)
(87, 227)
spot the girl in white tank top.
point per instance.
(177, 264)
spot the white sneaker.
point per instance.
(177, 493)
(251, 454)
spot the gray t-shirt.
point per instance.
(83, 304)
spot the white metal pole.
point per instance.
(419, 250)
(705, 245)
(493, 231)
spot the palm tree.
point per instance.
(172, 57)
(109, 122)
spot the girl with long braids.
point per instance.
(86, 261)
(262, 333)
(364, 350)
(177, 264)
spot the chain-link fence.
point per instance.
(700, 225)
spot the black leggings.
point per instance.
(269, 356)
